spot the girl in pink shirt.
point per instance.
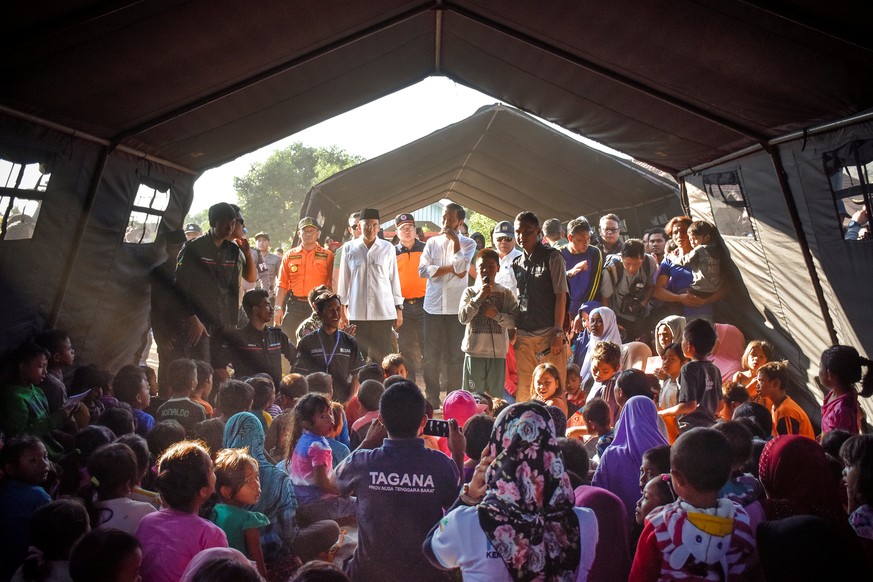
(840, 369)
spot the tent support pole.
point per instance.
(776, 159)
(81, 227)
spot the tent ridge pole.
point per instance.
(438, 37)
(785, 187)
(79, 235)
(611, 75)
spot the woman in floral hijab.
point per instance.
(526, 513)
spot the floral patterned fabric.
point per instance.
(527, 511)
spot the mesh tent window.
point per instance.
(21, 196)
(148, 208)
(727, 198)
(848, 169)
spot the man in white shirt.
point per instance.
(504, 242)
(444, 263)
(369, 289)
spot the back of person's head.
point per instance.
(700, 335)
(402, 408)
(477, 431)
(86, 441)
(52, 340)
(292, 387)
(89, 377)
(140, 449)
(320, 383)
(264, 391)
(734, 393)
(499, 406)
(597, 410)
(776, 371)
(100, 555)
(235, 396)
(845, 363)
(740, 439)
(318, 571)
(633, 249)
(163, 435)
(632, 383)
(204, 372)
(391, 364)
(758, 413)
(369, 394)
(703, 457)
(182, 376)
(119, 419)
(371, 371)
(576, 461)
(390, 380)
(211, 432)
(857, 453)
(183, 470)
(54, 530)
(552, 228)
(128, 382)
(253, 298)
(765, 347)
(230, 470)
(701, 228)
(113, 468)
(659, 458)
(833, 440)
(226, 570)
(608, 353)
(221, 211)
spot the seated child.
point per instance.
(107, 554)
(742, 488)
(598, 421)
(704, 259)
(234, 396)
(201, 392)
(290, 389)
(238, 486)
(309, 463)
(656, 461)
(131, 387)
(758, 353)
(74, 464)
(165, 434)
(575, 393)
(95, 381)
(698, 536)
(657, 492)
(57, 343)
(699, 379)
(371, 371)
(547, 387)
(672, 360)
(54, 530)
(211, 432)
(484, 403)
(857, 454)
(788, 417)
(477, 431)
(172, 536)
(394, 365)
(605, 362)
(368, 395)
(630, 383)
(732, 395)
(487, 311)
(119, 419)
(113, 469)
(25, 467)
(140, 449)
(182, 377)
(264, 398)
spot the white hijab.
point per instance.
(610, 334)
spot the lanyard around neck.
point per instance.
(327, 360)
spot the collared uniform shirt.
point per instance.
(369, 284)
(506, 275)
(443, 295)
(412, 285)
(302, 271)
(337, 356)
(208, 281)
(251, 351)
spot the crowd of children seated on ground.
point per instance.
(676, 474)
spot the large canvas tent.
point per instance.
(749, 103)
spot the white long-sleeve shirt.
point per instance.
(368, 281)
(506, 276)
(444, 292)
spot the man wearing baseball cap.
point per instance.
(504, 242)
(303, 268)
(268, 265)
(192, 231)
(413, 287)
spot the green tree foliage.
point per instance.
(201, 218)
(272, 192)
(480, 223)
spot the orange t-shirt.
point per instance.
(301, 271)
(789, 418)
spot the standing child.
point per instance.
(704, 259)
(672, 360)
(788, 417)
(605, 363)
(132, 387)
(25, 467)
(857, 455)
(238, 486)
(840, 369)
(699, 379)
(114, 472)
(698, 536)
(182, 377)
(757, 353)
(547, 387)
(487, 310)
(172, 536)
(201, 392)
(309, 463)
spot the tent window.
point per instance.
(728, 201)
(146, 214)
(849, 169)
(21, 195)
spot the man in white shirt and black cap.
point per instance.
(369, 289)
(504, 243)
(445, 262)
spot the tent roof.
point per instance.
(199, 82)
(495, 162)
